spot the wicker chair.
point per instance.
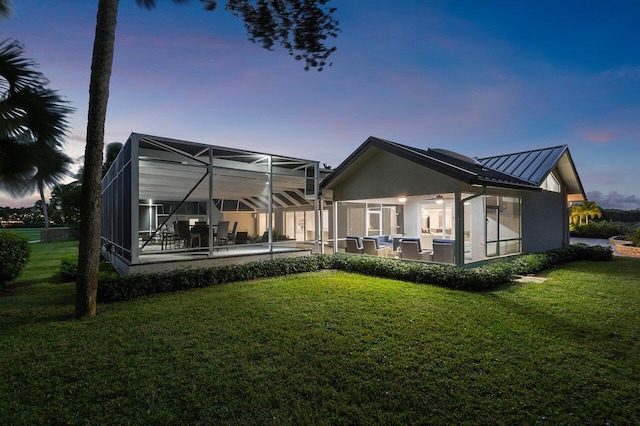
(354, 245)
(410, 249)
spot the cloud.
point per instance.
(614, 200)
(621, 72)
(599, 135)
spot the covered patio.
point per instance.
(168, 203)
(435, 205)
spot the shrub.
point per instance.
(115, 288)
(601, 229)
(635, 237)
(69, 267)
(14, 253)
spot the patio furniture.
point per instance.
(167, 239)
(443, 251)
(242, 237)
(232, 235)
(371, 247)
(184, 234)
(202, 229)
(222, 233)
(410, 249)
(354, 245)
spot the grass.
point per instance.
(327, 348)
(32, 234)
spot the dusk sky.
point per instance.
(477, 77)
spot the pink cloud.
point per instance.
(599, 135)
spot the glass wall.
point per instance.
(503, 225)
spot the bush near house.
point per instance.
(14, 253)
(69, 268)
(114, 288)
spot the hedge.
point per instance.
(69, 269)
(14, 253)
(114, 288)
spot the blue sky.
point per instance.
(479, 78)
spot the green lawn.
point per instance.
(32, 234)
(327, 348)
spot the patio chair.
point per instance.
(222, 233)
(354, 245)
(410, 249)
(184, 234)
(232, 235)
(371, 247)
(443, 251)
(242, 237)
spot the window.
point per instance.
(437, 219)
(551, 183)
(503, 225)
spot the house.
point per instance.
(169, 203)
(445, 207)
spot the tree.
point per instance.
(584, 210)
(110, 154)
(590, 209)
(575, 214)
(51, 167)
(32, 127)
(68, 197)
(300, 26)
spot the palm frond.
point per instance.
(17, 72)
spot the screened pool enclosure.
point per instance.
(165, 200)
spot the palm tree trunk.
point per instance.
(89, 247)
(45, 213)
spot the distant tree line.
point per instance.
(617, 215)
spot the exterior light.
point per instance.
(439, 199)
(402, 199)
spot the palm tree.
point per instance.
(575, 216)
(300, 26)
(5, 8)
(51, 167)
(32, 127)
(591, 209)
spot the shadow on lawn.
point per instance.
(589, 333)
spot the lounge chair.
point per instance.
(242, 237)
(354, 245)
(222, 233)
(232, 234)
(410, 249)
(371, 247)
(443, 251)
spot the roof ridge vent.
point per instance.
(455, 155)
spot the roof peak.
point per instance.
(524, 152)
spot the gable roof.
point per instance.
(535, 165)
(532, 166)
(523, 170)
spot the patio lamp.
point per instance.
(439, 199)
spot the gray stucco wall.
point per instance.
(378, 174)
(544, 221)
